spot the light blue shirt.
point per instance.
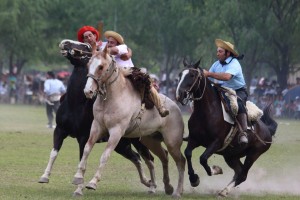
(232, 67)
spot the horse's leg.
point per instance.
(58, 138)
(81, 141)
(149, 160)
(124, 148)
(94, 136)
(156, 148)
(211, 149)
(250, 159)
(241, 170)
(236, 165)
(194, 178)
(173, 143)
(150, 165)
(114, 138)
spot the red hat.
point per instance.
(84, 29)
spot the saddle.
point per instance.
(229, 101)
(141, 83)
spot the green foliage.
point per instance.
(160, 33)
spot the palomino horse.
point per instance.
(118, 111)
(75, 115)
(207, 128)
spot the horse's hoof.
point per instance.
(169, 189)
(77, 181)
(44, 180)
(194, 180)
(147, 183)
(77, 194)
(91, 186)
(223, 194)
(217, 170)
(176, 196)
(152, 190)
(195, 184)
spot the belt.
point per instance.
(240, 89)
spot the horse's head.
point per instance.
(101, 67)
(189, 81)
(78, 53)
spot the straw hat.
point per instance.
(114, 35)
(226, 45)
(84, 29)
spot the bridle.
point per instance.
(101, 85)
(197, 81)
(79, 54)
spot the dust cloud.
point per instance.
(259, 183)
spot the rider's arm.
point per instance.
(219, 76)
(119, 50)
(113, 50)
(126, 56)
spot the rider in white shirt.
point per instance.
(117, 47)
(115, 43)
(122, 49)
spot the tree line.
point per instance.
(160, 32)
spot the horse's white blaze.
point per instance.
(93, 66)
(184, 73)
(92, 70)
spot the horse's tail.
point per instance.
(268, 120)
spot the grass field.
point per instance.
(25, 145)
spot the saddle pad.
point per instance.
(226, 116)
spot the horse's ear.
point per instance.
(105, 50)
(196, 65)
(184, 62)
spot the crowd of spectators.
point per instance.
(25, 89)
(28, 89)
(262, 92)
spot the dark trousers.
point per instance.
(51, 110)
(243, 96)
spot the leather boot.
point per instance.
(156, 100)
(242, 119)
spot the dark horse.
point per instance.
(75, 115)
(207, 128)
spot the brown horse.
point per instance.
(118, 112)
(207, 128)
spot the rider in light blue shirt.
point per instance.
(227, 71)
(232, 67)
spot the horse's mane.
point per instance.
(125, 71)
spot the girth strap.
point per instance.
(137, 120)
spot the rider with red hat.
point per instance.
(89, 34)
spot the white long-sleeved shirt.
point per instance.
(54, 86)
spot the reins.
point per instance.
(82, 54)
(197, 79)
(101, 86)
(72, 52)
